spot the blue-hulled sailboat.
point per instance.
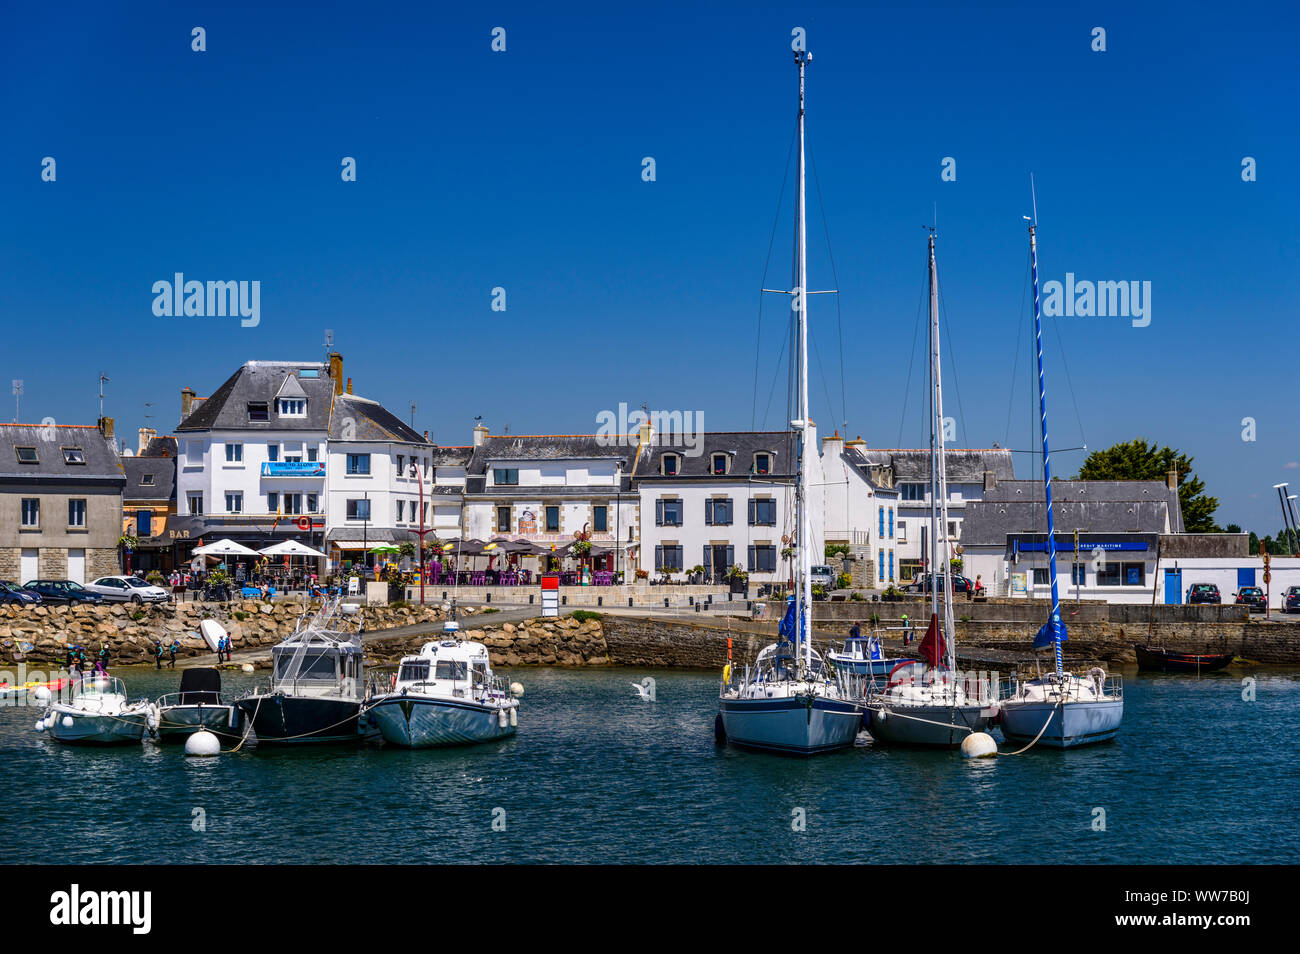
(1058, 709)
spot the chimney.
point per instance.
(426, 435)
(146, 435)
(187, 402)
(1171, 480)
(480, 434)
(106, 428)
(990, 480)
(645, 433)
(349, 385)
(336, 371)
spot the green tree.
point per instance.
(1139, 460)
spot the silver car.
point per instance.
(128, 589)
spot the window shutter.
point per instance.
(750, 508)
(708, 558)
(730, 512)
(659, 513)
(659, 557)
(753, 558)
(708, 512)
(731, 557)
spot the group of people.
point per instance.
(159, 651)
(223, 648)
(77, 661)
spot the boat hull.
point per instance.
(415, 723)
(936, 726)
(178, 723)
(298, 720)
(1158, 660)
(790, 725)
(1070, 725)
(96, 729)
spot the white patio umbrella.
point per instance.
(290, 548)
(225, 547)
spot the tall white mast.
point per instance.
(800, 303)
(939, 469)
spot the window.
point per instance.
(273, 503)
(891, 523)
(273, 452)
(719, 466)
(401, 465)
(234, 502)
(424, 512)
(505, 476)
(401, 507)
(668, 513)
(308, 373)
(912, 491)
(74, 455)
(293, 407)
(196, 503)
(313, 503)
(359, 509)
(503, 519)
(717, 513)
(31, 512)
(600, 519)
(1079, 574)
(762, 513)
(451, 669)
(891, 566)
(671, 464)
(880, 565)
(762, 463)
(414, 671)
(1041, 578)
(258, 411)
(144, 523)
(146, 480)
(311, 454)
(234, 453)
(902, 531)
(762, 558)
(293, 503)
(552, 519)
(881, 531)
(952, 529)
(27, 455)
(668, 559)
(1135, 574)
(358, 463)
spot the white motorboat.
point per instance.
(445, 695)
(928, 703)
(1060, 710)
(788, 702)
(96, 712)
(864, 656)
(198, 706)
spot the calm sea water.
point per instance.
(595, 775)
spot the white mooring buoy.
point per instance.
(202, 743)
(41, 694)
(978, 745)
(516, 689)
(246, 667)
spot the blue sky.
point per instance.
(522, 169)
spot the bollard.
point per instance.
(530, 597)
(665, 602)
(629, 602)
(564, 600)
(690, 601)
(600, 601)
(489, 596)
(698, 606)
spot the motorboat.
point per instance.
(96, 712)
(864, 656)
(447, 694)
(197, 706)
(1165, 660)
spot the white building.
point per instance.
(861, 511)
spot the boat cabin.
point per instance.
(448, 668)
(863, 648)
(313, 663)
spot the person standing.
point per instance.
(157, 654)
(855, 631)
(171, 652)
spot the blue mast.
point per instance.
(1053, 631)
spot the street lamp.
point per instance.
(365, 532)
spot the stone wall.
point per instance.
(536, 642)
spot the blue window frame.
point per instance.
(891, 533)
(882, 521)
(358, 463)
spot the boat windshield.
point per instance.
(313, 665)
(452, 669)
(414, 671)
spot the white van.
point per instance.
(823, 576)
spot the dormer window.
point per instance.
(74, 455)
(258, 411)
(671, 465)
(293, 407)
(27, 455)
(719, 465)
(146, 480)
(763, 463)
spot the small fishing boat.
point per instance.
(1164, 660)
(864, 656)
(445, 695)
(30, 689)
(316, 688)
(96, 713)
(198, 705)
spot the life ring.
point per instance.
(392, 682)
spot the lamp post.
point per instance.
(365, 534)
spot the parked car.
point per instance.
(14, 594)
(128, 589)
(1203, 593)
(63, 591)
(1252, 596)
(823, 576)
(1291, 600)
(925, 584)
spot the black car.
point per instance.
(1291, 601)
(1252, 596)
(63, 591)
(14, 594)
(923, 584)
(1203, 593)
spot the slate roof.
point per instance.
(159, 447)
(227, 407)
(371, 421)
(452, 456)
(1089, 506)
(102, 461)
(739, 445)
(963, 465)
(163, 470)
(507, 447)
(858, 460)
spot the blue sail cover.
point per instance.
(787, 629)
(1053, 631)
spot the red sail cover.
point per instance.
(933, 649)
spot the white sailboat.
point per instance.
(927, 703)
(1059, 709)
(788, 702)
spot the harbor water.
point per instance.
(1199, 775)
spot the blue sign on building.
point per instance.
(293, 468)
